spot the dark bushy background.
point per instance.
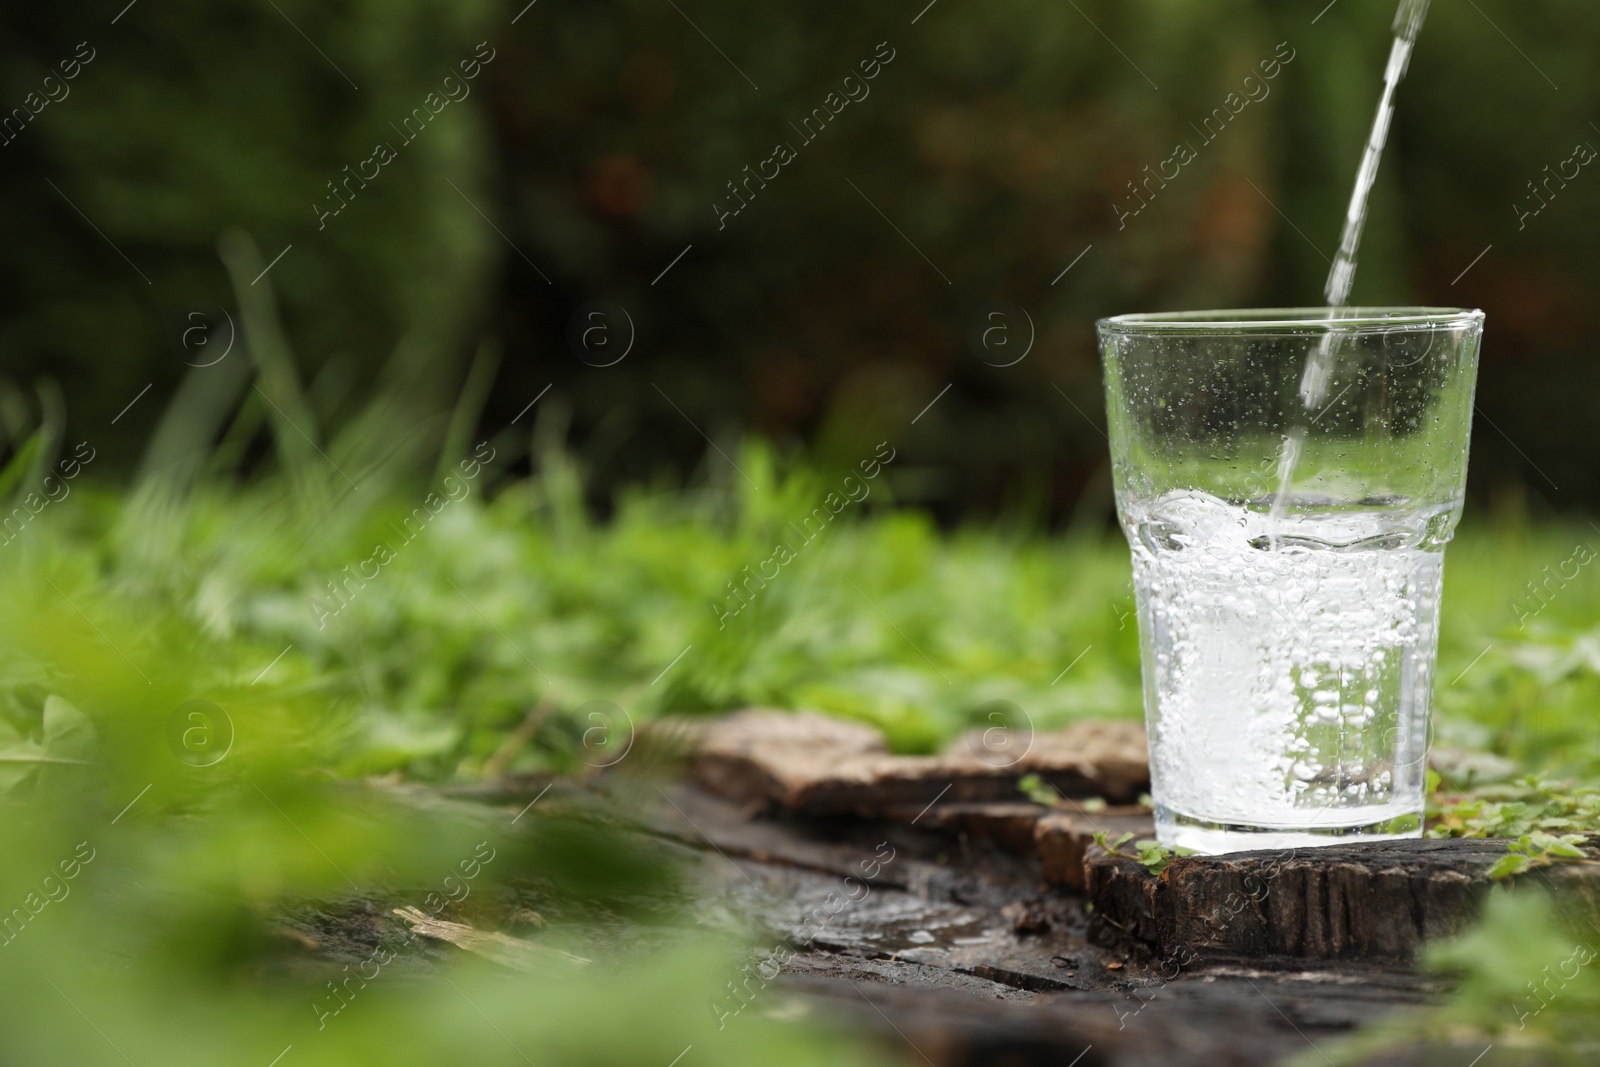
(598, 139)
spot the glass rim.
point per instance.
(1303, 319)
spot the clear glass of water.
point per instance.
(1287, 480)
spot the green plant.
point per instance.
(1034, 788)
(1152, 855)
(1538, 850)
(1544, 820)
(1039, 791)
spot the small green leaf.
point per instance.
(1110, 847)
(1154, 855)
(1567, 847)
(1509, 864)
(1035, 789)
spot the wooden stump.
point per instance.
(1375, 902)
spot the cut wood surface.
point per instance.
(817, 765)
(1374, 902)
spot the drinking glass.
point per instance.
(1287, 480)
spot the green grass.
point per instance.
(513, 596)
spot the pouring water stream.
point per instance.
(1319, 364)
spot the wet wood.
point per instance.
(936, 937)
(963, 954)
(951, 928)
(816, 765)
(1239, 1020)
(1375, 902)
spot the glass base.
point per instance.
(1177, 830)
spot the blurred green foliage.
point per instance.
(997, 140)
